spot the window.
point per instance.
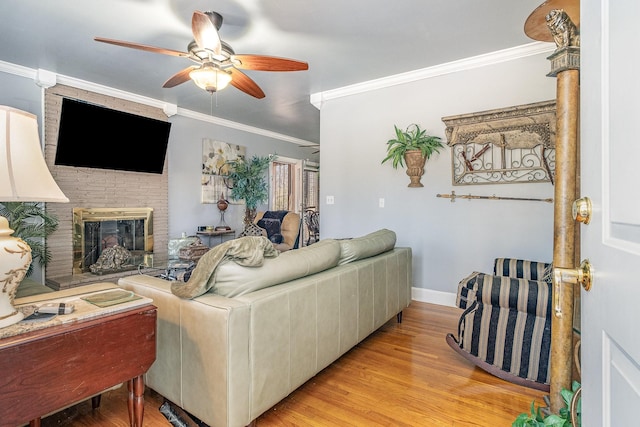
(294, 186)
(311, 191)
(282, 175)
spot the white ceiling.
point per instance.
(345, 42)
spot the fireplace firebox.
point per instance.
(98, 229)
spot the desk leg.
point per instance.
(34, 423)
(136, 401)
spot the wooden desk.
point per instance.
(48, 369)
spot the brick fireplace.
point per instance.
(99, 188)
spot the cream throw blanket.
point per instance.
(248, 251)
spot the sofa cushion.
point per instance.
(233, 280)
(289, 228)
(251, 230)
(366, 246)
(272, 225)
(523, 269)
(467, 290)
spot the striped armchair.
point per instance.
(505, 328)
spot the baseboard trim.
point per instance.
(433, 297)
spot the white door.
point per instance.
(610, 173)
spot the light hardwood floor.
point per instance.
(402, 375)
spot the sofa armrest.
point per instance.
(202, 362)
(528, 296)
(466, 294)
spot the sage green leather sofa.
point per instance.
(226, 360)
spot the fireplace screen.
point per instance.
(107, 240)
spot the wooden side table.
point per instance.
(48, 369)
(223, 235)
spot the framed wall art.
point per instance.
(216, 156)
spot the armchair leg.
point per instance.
(399, 317)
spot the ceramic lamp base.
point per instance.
(15, 258)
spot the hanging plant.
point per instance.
(413, 146)
(412, 138)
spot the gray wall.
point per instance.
(449, 240)
(186, 212)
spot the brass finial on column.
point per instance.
(565, 64)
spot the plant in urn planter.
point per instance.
(249, 183)
(414, 147)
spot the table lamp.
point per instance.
(24, 177)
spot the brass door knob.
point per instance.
(570, 276)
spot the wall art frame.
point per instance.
(503, 146)
(216, 156)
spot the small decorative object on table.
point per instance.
(223, 204)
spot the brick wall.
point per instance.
(99, 188)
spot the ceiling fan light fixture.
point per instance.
(211, 79)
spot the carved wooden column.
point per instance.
(565, 65)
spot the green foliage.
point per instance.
(249, 181)
(413, 138)
(540, 417)
(30, 222)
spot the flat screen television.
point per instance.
(93, 136)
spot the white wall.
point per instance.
(449, 240)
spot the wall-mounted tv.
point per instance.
(93, 136)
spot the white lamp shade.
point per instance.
(24, 175)
(210, 78)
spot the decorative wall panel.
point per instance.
(510, 145)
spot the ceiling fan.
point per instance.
(217, 64)
(315, 146)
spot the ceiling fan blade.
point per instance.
(179, 77)
(268, 63)
(205, 33)
(241, 81)
(142, 47)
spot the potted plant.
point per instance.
(413, 146)
(569, 416)
(31, 223)
(248, 182)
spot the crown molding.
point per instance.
(239, 126)
(169, 109)
(530, 49)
